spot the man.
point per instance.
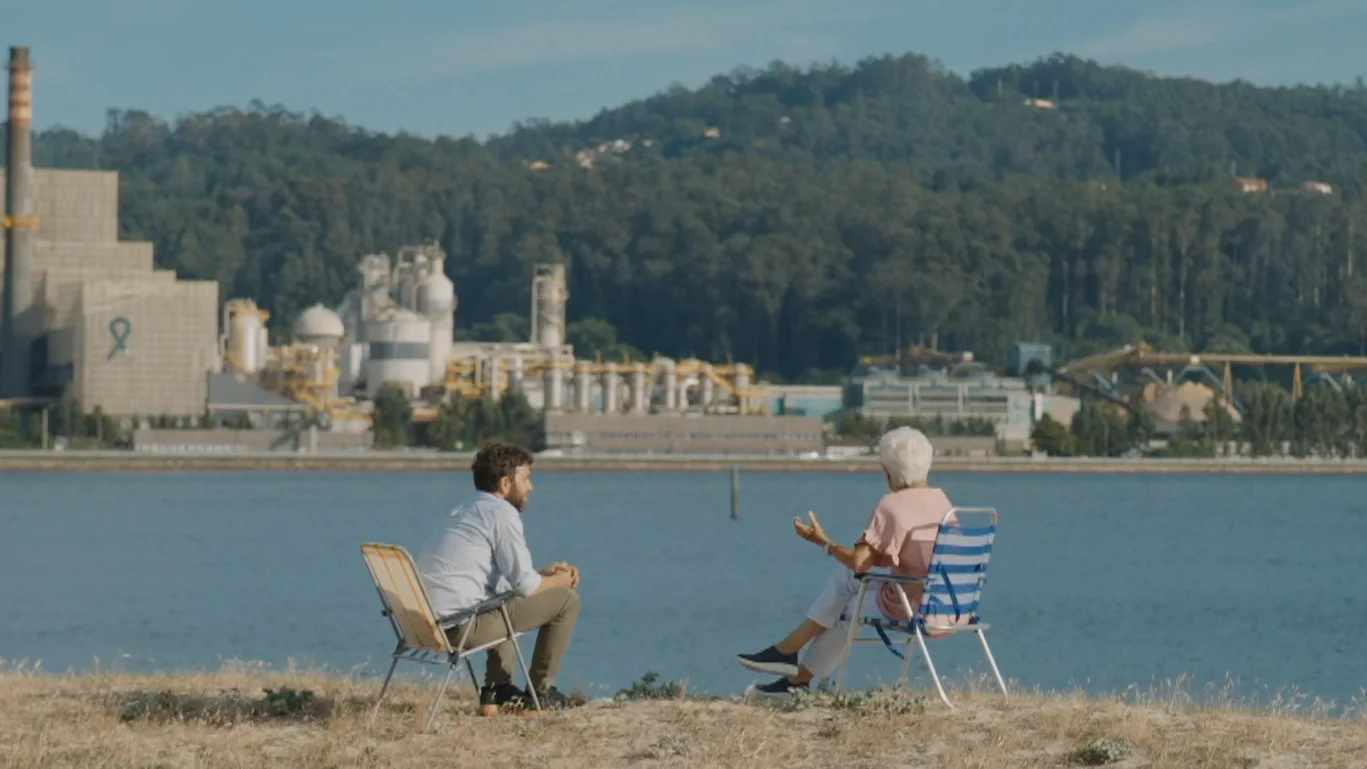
(480, 552)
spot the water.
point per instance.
(1099, 582)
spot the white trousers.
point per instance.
(824, 653)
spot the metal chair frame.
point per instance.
(427, 642)
(917, 625)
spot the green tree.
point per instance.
(1219, 426)
(1053, 438)
(1099, 431)
(446, 432)
(1320, 420)
(593, 338)
(393, 417)
(1267, 418)
(465, 424)
(839, 211)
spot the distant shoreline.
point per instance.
(398, 461)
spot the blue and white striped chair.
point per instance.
(949, 603)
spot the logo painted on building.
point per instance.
(120, 329)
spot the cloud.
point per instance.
(1204, 26)
(683, 30)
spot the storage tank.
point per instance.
(319, 326)
(554, 397)
(671, 384)
(638, 388)
(406, 288)
(583, 387)
(399, 348)
(246, 324)
(320, 366)
(263, 346)
(549, 294)
(350, 360)
(611, 393)
(436, 300)
(496, 375)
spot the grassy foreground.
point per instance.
(226, 719)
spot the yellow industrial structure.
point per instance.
(1143, 355)
(397, 328)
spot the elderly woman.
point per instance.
(899, 537)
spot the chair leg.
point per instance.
(931, 665)
(855, 627)
(906, 663)
(521, 661)
(445, 681)
(375, 710)
(470, 666)
(982, 636)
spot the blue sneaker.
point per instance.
(771, 661)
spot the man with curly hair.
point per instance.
(478, 552)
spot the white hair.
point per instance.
(906, 455)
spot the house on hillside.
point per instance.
(1319, 188)
(1250, 185)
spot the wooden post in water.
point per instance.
(735, 492)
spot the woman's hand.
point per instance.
(812, 532)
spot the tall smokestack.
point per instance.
(19, 228)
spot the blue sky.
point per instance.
(457, 67)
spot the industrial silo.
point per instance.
(319, 326)
(245, 324)
(399, 342)
(436, 301)
(549, 295)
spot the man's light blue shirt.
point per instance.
(479, 552)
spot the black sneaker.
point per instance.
(783, 687)
(551, 699)
(770, 661)
(502, 694)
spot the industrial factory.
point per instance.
(88, 315)
(397, 327)
(85, 313)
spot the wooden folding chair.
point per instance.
(421, 634)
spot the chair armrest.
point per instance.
(891, 578)
(483, 607)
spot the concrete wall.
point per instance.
(84, 277)
(74, 205)
(75, 254)
(173, 340)
(679, 434)
(199, 441)
(944, 446)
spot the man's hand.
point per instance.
(812, 532)
(563, 568)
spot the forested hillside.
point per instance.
(797, 218)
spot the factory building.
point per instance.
(397, 327)
(85, 313)
(808, 400)
(1004, 401)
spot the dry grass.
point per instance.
(224, 719)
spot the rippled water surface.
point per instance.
(1101, 582)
